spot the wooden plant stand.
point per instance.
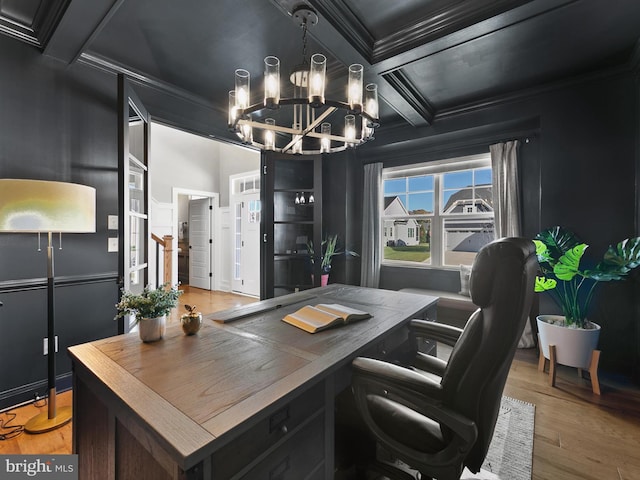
(593, 367)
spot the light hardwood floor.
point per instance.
(578, 435)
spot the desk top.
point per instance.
(195, 392)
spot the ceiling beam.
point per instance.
(81, 23)
(326, 34)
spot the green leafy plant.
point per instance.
(329, 250)
(571, 284)
(149, 303)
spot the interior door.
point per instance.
(250, 244)
(133, 194)
(200, 243)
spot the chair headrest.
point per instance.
(510, 253)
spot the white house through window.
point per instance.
(437, 213)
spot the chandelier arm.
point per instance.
(341, 148)
(310, 127)
(292, 131)
(336, 104)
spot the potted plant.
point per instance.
(572, 285)
(150, 308)
(328, 251)
(191, 321)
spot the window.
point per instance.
(437, 214)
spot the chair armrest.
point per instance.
(389, 375)
(435, 331)
(429, 363)
(416, 392)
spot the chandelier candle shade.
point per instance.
(311, 130)
(37, 206)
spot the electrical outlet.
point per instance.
(45, 345)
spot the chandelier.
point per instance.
(310, 131)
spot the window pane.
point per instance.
(395, 185)
(395, 205)
(455, 200)
(483, 176)
(458, 179)
(420, 203)
(464, 238)
(421, 183)
(407, 240)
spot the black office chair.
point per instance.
(441, 421)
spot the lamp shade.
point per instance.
(46, 206)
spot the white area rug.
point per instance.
(511, 450)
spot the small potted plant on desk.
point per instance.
(328, 251)
(572, 287)
(150, 308)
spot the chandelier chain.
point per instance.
(304, 41)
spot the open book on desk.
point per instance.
(313, 319)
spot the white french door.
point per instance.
(247, 217)
(133, 170)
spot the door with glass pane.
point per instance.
(246, 208)
(133, 139)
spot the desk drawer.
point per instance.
(245, 449)
(391, 345)
(301, 457)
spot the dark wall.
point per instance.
(342, 212)
(57, 122)
(578, 170)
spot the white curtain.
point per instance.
(371, 238)
(506, 192)
(506, 203)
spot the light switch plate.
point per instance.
(112, 222)
(113, 244)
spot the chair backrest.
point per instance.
(502, 285)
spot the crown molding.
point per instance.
(39, 30)
(112, 67)
(405, 88)
(527, 93)
(347, 24)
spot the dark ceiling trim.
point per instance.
(402, 150)
(19, 31)
(399, 81)
(112, 67)
(347, 24)
(439, 23)
(452, 18)
(41, 28)
(47, 20)
(524, 94)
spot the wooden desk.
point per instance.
(250, 398)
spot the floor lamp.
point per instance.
(37, 206)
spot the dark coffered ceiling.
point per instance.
(430, 58)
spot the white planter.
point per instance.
(152, 329)
(573, 345)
